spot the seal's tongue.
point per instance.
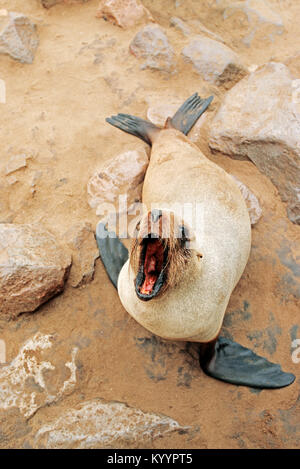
(152, 265)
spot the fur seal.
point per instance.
(181, 272)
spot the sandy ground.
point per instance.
(55, 113)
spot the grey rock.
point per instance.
(152, 44)
(122, 176)
(253, 20)
(22, 382)
(180, 25)
(214, 61)
(33, 268)
(101, 424)
(18, 36)
(260, 120)
(15, 162)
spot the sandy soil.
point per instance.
(55, 113)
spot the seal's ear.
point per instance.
(188, 114)
(135, 126)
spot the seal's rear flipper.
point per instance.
(231, 362)
(113, 253)
(135, 126)
(189, 113)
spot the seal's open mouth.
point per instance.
(152, 264)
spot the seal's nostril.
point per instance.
(156, 214)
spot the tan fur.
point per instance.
(193, 305)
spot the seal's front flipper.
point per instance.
(113, 253)
(189, 113)
(134, 126)
(228, 361)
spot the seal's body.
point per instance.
(191, 248)
(179, 174)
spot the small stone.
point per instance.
(180, 25)
(123, 13)
(152, 44)
(33, 268)
(253, 206)
(198, 27)
(18, 37)
(253, 20)
(11, 180)
(16, 162)
(260, 120)
(122, 176)
(36, 176)
(158, 115)
(214, 61)
(101, 424)
(81, 240)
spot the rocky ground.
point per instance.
(79, 372)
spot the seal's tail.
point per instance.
(134, 125)
(183, 120)
(190, 111)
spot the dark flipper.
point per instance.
(189, 113)
(228, 361)
(134, 125)
(113, 253)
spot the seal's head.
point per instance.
(159, 254)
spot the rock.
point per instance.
(33, 268)
(251, 200)
(101, 424)
(15, 162)
(260, 120)
(22, 382)
(11, 180)
(158, 115)
(198, 27)
(180, 25)
(81, 240)
(293, 63)
(124, 175)
(123, 13)
(2, 92)
(18, 37)
(193, 27)
(152, 44)
(214, 61)
(253, 20)
(51, 3)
